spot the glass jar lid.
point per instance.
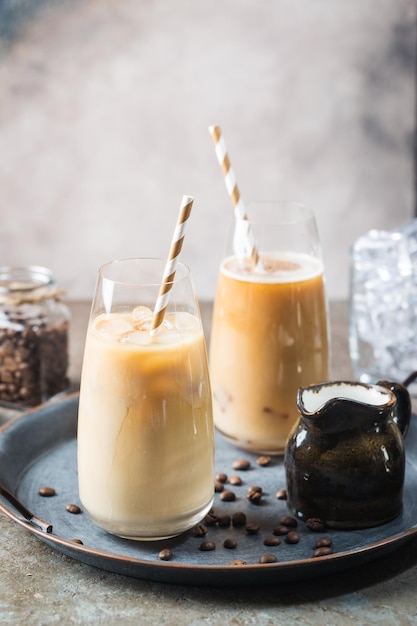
(24, 279)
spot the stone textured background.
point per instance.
(104, 109)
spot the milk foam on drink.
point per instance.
(145, 432)
(269, 337)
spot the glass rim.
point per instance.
(182, 271)
(283, 215)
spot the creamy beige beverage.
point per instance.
(269, 337)
(145, 432)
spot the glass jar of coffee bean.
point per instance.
(33, 336)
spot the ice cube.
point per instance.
(222, 397)
(381, 255)
(166, 332)
(113, 326)
(136, 337)
(383, 311)
(185, 321)
(410, 231)
(141, 316)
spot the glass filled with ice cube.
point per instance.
(382, 307)
(145, 427)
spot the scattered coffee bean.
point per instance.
(238, 519)
(230, 543)
(78, 541)
(200, 530)
(272, 540)
(282, 494)
(47, 492)
(224, 521)
(235, 480)
(268, 558)
(165, 554)
(238, 562)
(254, 496)
(218, 486)
(263, 460)
(73, 508)
(210, 519)
(252, 529)
(324, 551)
(281, 530)
(253, 488)
(292, 537)
(221, 477)
(207, 546)
(227, 496)
(323, 542)
(315, 524)
(289, 521)
(241, 464)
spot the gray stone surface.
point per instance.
(104, 114)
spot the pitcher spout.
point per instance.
(341, 405)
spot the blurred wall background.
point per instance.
(104, 109)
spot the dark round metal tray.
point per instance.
(39, 448)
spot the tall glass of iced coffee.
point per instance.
(270, 325)
(145, 427)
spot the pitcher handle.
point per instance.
(403, 410)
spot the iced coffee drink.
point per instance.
(145, 432)
(269, 337)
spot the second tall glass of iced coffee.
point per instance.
(270, 325)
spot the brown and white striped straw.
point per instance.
(171, 264)
(232, 187)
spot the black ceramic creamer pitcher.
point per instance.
(345, 457)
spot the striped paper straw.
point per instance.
(232, 188)
(171, 264)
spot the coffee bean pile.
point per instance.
(33, 356)
(286, 529)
